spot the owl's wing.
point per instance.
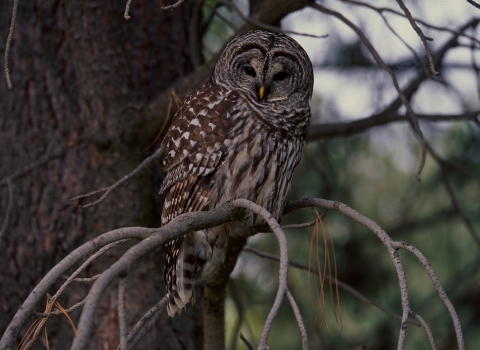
(194, 147)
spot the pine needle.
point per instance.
(319, 308)
(34, 329)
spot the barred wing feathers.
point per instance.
(194, 147)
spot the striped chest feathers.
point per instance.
(259, 167)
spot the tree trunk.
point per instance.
(81, 75)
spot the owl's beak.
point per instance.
(261, 92)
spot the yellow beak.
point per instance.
(261, 92)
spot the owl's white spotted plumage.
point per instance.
(241, 135)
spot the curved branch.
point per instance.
(392, 247)
(283, 270)
(58, 270)
(298, 317)
(438, 286)
(181, 225)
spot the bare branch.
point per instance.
(154, 311)
(119, 183)
(438, 286)
(175, 5)
(306, 224)
(298, 317)
(121, 314)
(59, 312)
(398, 13)
(347, 128)
(9, 42)
(426, 328)
(82, 280)
(474, 3)
(61, 268)
(249, 346)
(392, 247)
(126, 15)
(420, 34)
(378, 59)
(181, 225)
(283, 270)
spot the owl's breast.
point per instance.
(259, 167)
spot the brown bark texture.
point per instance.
(81, 76)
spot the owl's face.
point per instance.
(267, 67)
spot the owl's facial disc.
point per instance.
(269, 76)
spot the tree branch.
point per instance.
(392, 247)
(116, 185)
(378, 59)
(329, 130)
(422, 36)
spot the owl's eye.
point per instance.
(280, 76)
(250, 71)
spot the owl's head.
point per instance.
(268, 67)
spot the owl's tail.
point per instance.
(184, 258)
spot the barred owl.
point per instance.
(240, 135)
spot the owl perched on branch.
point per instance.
(240, 135)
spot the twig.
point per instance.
(126, 15)
(235, 295)
(305, 224)
(121, 314)
(120, 182)
(171, 7)
(347, 288)
(264, 25)
(155, 310)
(283, 270)
(438, 286)
(426, 328)
(82, 280)
(378, 59)
(411, 49)
(298, 317)
(9, 41)
(398, 13)
(246, 342)
(89, 194)
(52, 300)
(420, 34)
(8, 211)
(59, 312)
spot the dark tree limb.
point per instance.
(328, 130)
